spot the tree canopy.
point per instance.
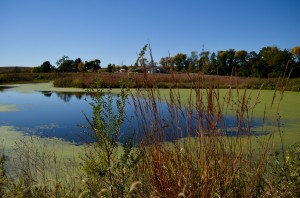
(270, 61)
(65, 64)
(45, 67)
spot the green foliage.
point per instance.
(179, 61)
(109, 166)
(269, 62)
(93, 65)
(62, 60)
(165, 63)
(286, 171)
(44, 68)
(141, 58)
(111, 68)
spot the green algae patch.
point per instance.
(32, 87)
(10, 137)
(47, 161)
(7, 108)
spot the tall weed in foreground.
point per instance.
(191, 152)
(109, 165)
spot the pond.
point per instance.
(45, 114)
(60, 114)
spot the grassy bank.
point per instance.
(138, 80)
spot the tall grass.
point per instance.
(34, 168)
(201, 158)
(192, 152)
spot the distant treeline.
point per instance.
(65, 64)
(268, 62)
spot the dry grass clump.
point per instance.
(201, 158)
(137, 80)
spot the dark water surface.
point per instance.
(58, 114)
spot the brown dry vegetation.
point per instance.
(176, 80)
(137, 80)
(16, 69)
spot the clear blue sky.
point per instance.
(114, 31)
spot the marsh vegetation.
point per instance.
(160, 161)
(182, 145)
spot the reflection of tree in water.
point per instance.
(47, 93)
(66, 96)
(2, 88)
(79, 95)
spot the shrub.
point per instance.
(110, 167)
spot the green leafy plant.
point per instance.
(285, 171)
(108, 164)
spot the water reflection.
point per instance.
(4, 87)
(66, 96)
(59, 114)
(47, 93)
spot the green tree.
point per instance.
(241, 63)
(226, 62)
(296, 56)
(78, 60)
(204, 63)
(276, 60)
(179, 60)
(46, 67)
(165, 63)
(62, 60)
(222, 62)
(110, 68)
(65, 64)
(214, 63)
(93, 65)
(80, 67)
(251, 59)
(192, 61)
(96, 64)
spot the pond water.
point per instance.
(45, 114)
(59, 114)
